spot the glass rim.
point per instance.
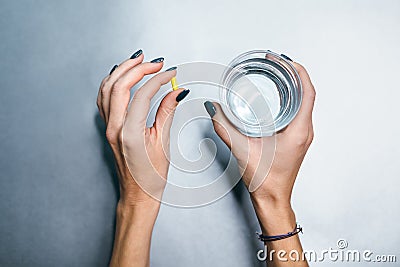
(288, 76)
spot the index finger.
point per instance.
(120, 93)
(140, 105)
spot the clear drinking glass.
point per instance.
(261, 93)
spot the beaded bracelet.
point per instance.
(266, 238)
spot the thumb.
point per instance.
(166, 110)
(222, 126)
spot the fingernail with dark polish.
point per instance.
(157, 60)
(182, 95)
(172, 68)
(137, 53)
(113, 68)
(286, 57)
(210, 108)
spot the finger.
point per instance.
(166, 110)
(128, 64)
(308, 97)
(120, 92)
(98, 101)
(224, 129)
(118, 72)
(165, 113)
(305, 113)
(140, 105)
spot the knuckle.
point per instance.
(313, 93)
(311, 97)
(112, 136)
(300, 138)
(301, 141)
(219, 127)
(159, 80)
(129, 142)
(168, 111)
(118, 86)
(138, 93)
(104, 81)
(310, 137)
(103, 91)
(300, 68)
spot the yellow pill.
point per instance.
(174, 84)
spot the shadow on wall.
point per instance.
(108, 160)
(239, 191)
(241, 197)
(108, 157)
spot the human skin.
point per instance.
(269, 167)
(136, 209)
(145, 149)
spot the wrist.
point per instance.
(133, 197)
(275, 217)
(141, 214)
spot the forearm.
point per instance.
(277, 219)
(134, 226)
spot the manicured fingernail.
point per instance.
(137, 53)
(210, 108)
(286, 57)
(172, 68)
(157, 60)
(113, 68)
(182, 95)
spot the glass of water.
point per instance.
(260, 93)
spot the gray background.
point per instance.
(58, 190)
